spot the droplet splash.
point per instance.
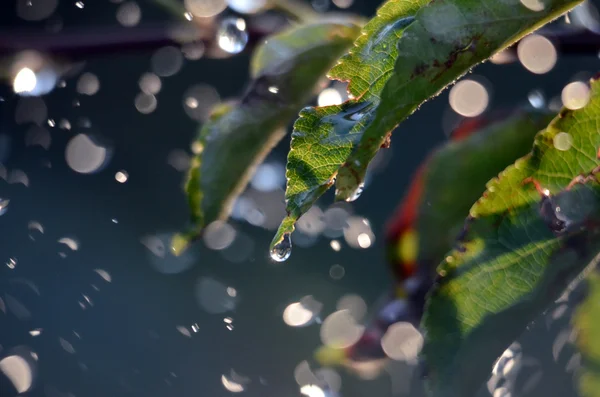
(282, 250)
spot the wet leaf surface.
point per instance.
(529, 236)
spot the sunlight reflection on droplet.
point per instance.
(402, 341)
(335, 245)
(340, 330)
(469, 98)
(24, 81)
(145, 103)
(232, 35)
(312, 391)
(19, 371)
(88, 84)
(355, 305)
(563, 141)
(199, 100)
(213, 296)
(84, 155)
(575, 95)
(358, 233)
(246, 6)
(537, 54)
(329, 96)
(205, 8)
(167, 61)
(129, 14)
(121, 176)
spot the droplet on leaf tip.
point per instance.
(282, 250)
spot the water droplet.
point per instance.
(536, 99)
(232, 35)
(4, 206)
(282, 250)
(12, 263)
(356, 194)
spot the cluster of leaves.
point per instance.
(532, 233)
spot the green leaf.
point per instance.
(236, 139)
(430, 46)
(525, 241)
(587, 325)
(324, 136)
(451, 179)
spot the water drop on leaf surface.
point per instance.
(282, 250)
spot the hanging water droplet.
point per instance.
(356, 194)
(4, 206)
(232, 35)
(282, 250)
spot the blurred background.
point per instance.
(95, 138)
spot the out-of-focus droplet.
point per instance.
(35, 228)
(340, 330)
(503, 57)
(69, 242)
(38, 136)
(343, 3)
(335, 245)
(79, 4)
(66, 345)
(205, 8)
(167, 61)
(11, 263)
(311, 223)
(234, 382)
(64, 124)
(337, 272)
(19, 370)
(304, 375)
(104, 274)
(355, 305)
(199, 100)
(145, 103)
(356, 193)
(469, 98)
(179, 159)
(358, 233)
(18, 309)
(575, 95)
(219, 235)
(85, 155)
(129, 14)
(35, 332)
(563, 141)
(534, 5)
(31, 110)
(88, 84)
(25, 81)
(193, 51)
(215, 297)
(312, 391)
(537, 54)
(150, 84)
(18, 176)
(302, 313)
(4, 205)
(402, 341)
(121, 176)
(232, 35)
(162, 259)
(35, 10)
(268, 177)
(336, 219)
(329, 96)
(184, 331)
(536, 99)
(247, 6)
(282, 250)
(332, 379)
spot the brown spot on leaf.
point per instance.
(387, 141)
